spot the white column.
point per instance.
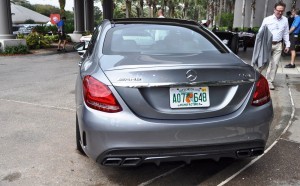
(266, 8)
(243, 14)
(237, 21)
(89, 15)
(78, 16)
(5, 20)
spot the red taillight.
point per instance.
(262, 92)
(98, 96)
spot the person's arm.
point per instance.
(295, 24)
(292, 30)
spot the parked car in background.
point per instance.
(82, 46)
(15, 29)
(155, 90)
(231, 39)
(246, 40)
(23, 29)
(236, 40)
(86, 39)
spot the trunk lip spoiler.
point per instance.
(184, 84)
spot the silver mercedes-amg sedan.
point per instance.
(156, 90)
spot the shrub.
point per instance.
(69, 27)
(29, 21)
(20, 49)
(51, 38)
(36, 41)
(40, 29)
(20, 36)
(52, 29)
(43, 29)
(226, 19)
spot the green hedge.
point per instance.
(20, 49)
(36, 41)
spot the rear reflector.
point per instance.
(262, 92)
(98, 96)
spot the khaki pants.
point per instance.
(274, 62)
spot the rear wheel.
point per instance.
(78, 146)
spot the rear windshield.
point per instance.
(155, 39)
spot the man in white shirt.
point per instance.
(279, 27)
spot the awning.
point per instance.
(20, 14)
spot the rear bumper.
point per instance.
(135, 157)
(122, 139)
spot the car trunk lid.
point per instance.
(166, 87)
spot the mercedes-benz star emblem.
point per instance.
(191, 75)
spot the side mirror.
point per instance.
(80, 47)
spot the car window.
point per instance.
(155, 39)
(92, 42)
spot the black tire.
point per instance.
(78, 146)
(235, 44)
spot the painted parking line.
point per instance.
(269, 148)
(162, 175)
(39, 105)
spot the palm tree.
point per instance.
(128, 8)
(173, 4)
(164, 3)
(210, 11)
(294, 4)
(220, 12)
(154, 5)
(62, 4)
(195, 9)
(149, 3)
(252, 13)
(141, 8)
(185, 8)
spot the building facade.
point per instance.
(253, 12)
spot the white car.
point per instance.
(86, 40)
(83, 44)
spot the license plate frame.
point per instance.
(189, 97)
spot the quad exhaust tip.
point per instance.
(112, 162)
(249, 152)
(122, 161)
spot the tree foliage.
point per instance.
(182, 9)
(220, 12)
(29, 21)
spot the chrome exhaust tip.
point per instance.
(112, 162)
(131, 161)
(243, 153)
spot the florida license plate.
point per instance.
(189, 97)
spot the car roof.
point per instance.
(155, 21)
